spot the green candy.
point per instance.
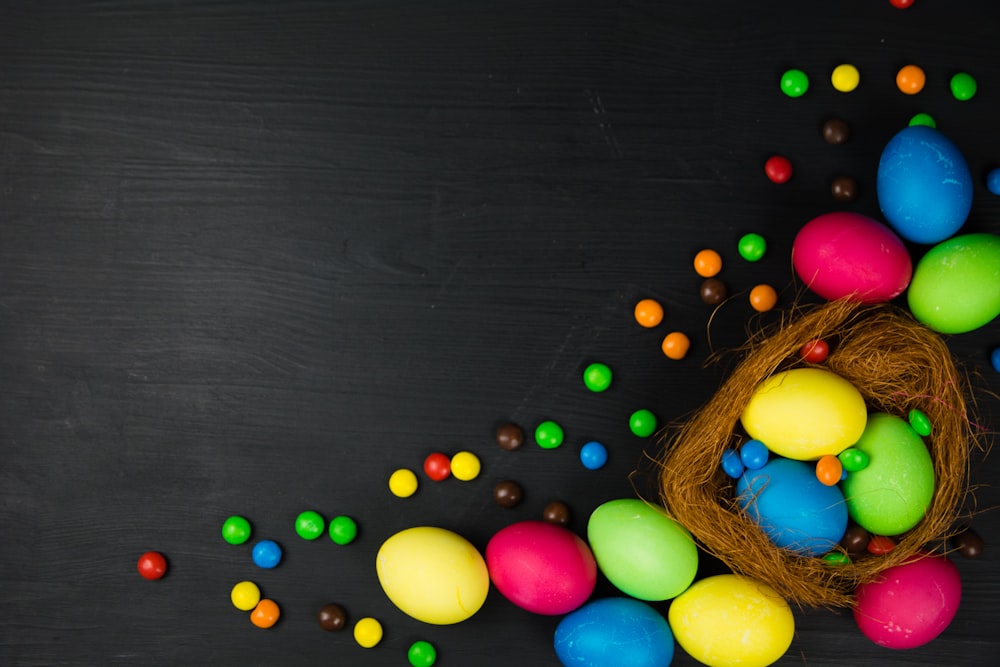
(892, 494)
(919, 421)
(963, 86)
(343, 530)
(794, 83)
(309, 525)
(752, 247)
(924, 119)
(421, 654)
(236, 530)
(642, 423)
(836, 558)
(956, 285)
(549, 435)
(597, 377)
(853, 460)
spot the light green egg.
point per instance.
(641, 550)
(956, 285)
(892, 494)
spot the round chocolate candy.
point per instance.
(556, 512)
(836, 131)
(968, 543)
(332, 617)
(855, 540)
(844, 188)
(510, 437)
(508, 494)
(713, 291)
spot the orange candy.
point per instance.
(763, 298)
(828, 470)
(707, 263)
(265, 614)
(648, 313)
(911, 79)
(676, 345)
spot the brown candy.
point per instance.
(332, 617)
(508, 494)
(556, 512)
(510, 437)
(836, 131)
(844, 188)
(968, 543)
(713, 291)
(855, 540)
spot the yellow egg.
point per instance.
(805, 414)
(432, 574)
(732, 621)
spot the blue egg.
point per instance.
(614, 632)
(593, 455)
(793, 507)
(753, 454)
(924, 185)
(266, 554)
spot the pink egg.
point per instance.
(541, 567)
(910, 604)
(851, 255)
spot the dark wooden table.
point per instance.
(254, 256)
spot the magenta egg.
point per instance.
(541, 567)
(847, 254)
(909, 604)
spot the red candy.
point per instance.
(880, 544)
(901, 4)
(437, 466)
(778, 169)
(815, 351)
(152, 565)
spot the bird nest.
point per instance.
(898, 365)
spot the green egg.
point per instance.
(641, 550)
(891, 495)
(956, 285)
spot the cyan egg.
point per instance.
(924, 185)
(795, 510)
(614, 632)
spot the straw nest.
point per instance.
(897, 364)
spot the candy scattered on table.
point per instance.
(778, 169)
(265, 614)
(995, 359)
(794, 83)
(403, 483)
(707, 263)
(510, 437)
(245, 595)
(465, 466)
(437, 466)
(910, 79)
(557, 512)
(152, 565)
(763, 298)
(676, 345)
(266, 554)
(844, 189)
(343, 530)
(236, 530)
(593, 455)
(924, 119)
(901, 4)
(836, 131)
(332, 617)
(508, 493)
(967, 543)
(845, 78)
(597, 377)
(752, 247)
(648, 313)
(549, 435)
(421, 654)
(713, 291)
(642, 423)
(963, 86)
(368, 632)
(309, 525)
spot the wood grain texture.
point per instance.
(256, 255)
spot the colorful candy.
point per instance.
(508, 493)
(265, 614)
(642, 423)
(732, 465)
(919, 422)
(597, 377)
(549, 435)
(245, 595)
(676, 345)
(968, 543)
(752, 247)
(368, 632)
(778, 169)
(829, 470)
(593, 455)
(844, 189)
(713, 291)
(910, 80)
(421, 654)
(853, 459)
(993, 181)
(510, 437)
(814, 351)
(403, 483)
(266, 554)
(465, 466)
(794, 83)
(557, 512)
(763, 298)
(855, 540)
(641, 550)
(152, 565)
(901, 4)
(924, 119)
(707, 263)
(648, 313)
(836, 131)
(432, 574)
(879, 545)
(845, 78)
(236, 530)
(343, 530)
(541, 567)
(754, 454)
(614, 632)
(437, 466)
(332, 617)
(963, 86)
(309, 525)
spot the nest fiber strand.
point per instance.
(897, 364)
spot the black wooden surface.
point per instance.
(256, 255)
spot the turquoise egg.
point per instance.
(956, 285)
(891, 495)
(924, 185)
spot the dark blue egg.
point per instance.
(795, 510)
(614, 632)
(924, 185)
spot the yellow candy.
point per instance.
(805, 413)
(732, 621)
(845, 78)
(368, 632)
(465, 466)
(245, 595)
(403, 483)
(432, 574)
